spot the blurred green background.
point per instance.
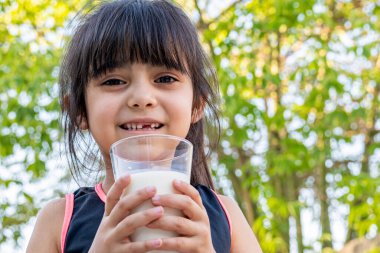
(300, 147)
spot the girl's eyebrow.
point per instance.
(170, 68)
(128, 66)
(112, 70)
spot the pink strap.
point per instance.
(66, 220)
(225, 211)
(100, 192)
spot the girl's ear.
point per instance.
(197, 114)
(82, 122)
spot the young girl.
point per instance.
(137, 67)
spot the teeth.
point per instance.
(134, 126)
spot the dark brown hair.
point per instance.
(125, 32)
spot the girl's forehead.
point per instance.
(134, 34)
(127, 32)
(122, 51)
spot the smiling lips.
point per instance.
(141, 126)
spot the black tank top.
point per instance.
(87, 209)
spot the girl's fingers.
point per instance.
(178, 244)
(115, 192)
(139, 219)
(188, 190)
(140, 247)
(129, 202)
(180, 225)
(188, 200)
(186, 204)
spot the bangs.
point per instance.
(135, 32)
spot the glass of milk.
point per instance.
(152, 160)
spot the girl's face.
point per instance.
(138, 99)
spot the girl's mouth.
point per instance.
(141, 126)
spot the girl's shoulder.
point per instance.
(228, 202)
(242, 237)
(48, 227)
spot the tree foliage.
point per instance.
(31, 36)
(300, 83)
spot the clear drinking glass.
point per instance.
(152, 160)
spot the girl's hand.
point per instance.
(118, 223)
(193, 229)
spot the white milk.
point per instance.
(163, 181)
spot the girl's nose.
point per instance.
(141, 96)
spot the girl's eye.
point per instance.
(113, 82)
(166, 79)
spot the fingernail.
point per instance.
(156, 199)
(177, 182)
(123, 177)
(158, 210)
(150, 189)
(156, 243)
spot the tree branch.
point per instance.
(202, 24)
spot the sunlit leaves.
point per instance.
(299, 83)
(31, 39)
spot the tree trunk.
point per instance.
(243, 197)
(293, 196)
(300, 246)
(323, 200)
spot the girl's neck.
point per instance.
(108, 180)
